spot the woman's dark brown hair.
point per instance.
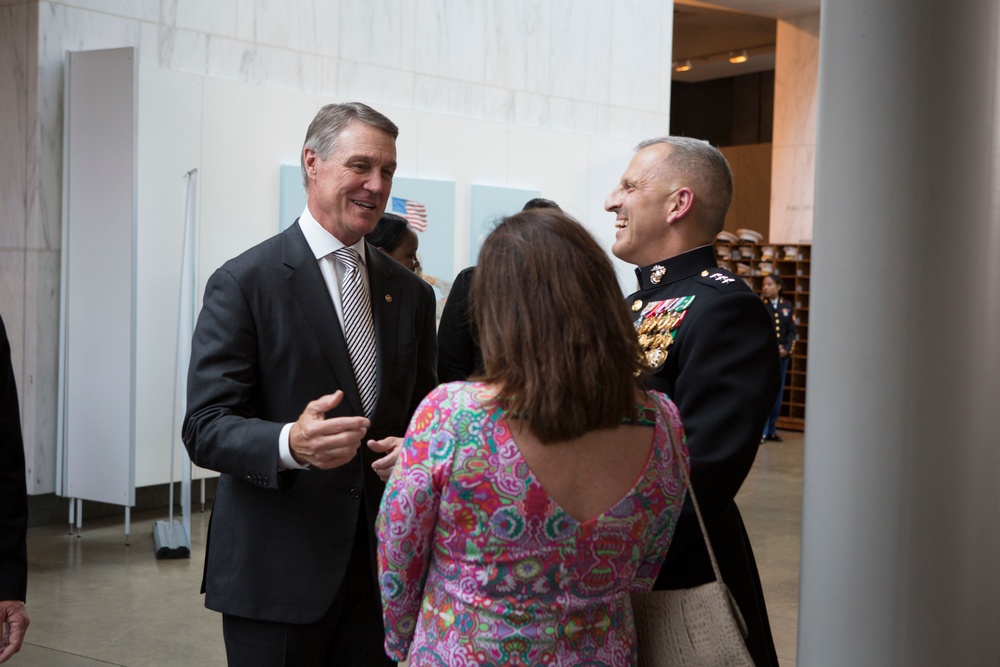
(555, 332)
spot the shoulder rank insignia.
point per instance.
(722, 278)
(657, 325)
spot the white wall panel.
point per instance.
(170, 106)
(99, 276)
(247, 133)
(554, 163)
(605, 165)
(465, 151)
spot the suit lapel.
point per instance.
(305, 281)
(385, 294)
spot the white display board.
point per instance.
(97, 355)
(169, 132)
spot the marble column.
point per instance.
(793, 147)
(25, 260)
(901, 539)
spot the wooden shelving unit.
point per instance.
(753, 261)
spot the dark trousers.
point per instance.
(350, 634)
(772, 421)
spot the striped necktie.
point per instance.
(359, 327)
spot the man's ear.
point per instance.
(309, 159)
(679, 204)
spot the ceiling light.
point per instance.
(737, 57)
(682, 66)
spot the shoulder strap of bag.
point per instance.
(694, 501)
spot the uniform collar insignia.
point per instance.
(672, 269)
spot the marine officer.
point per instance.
(707, 343)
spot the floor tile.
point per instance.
(39, 656)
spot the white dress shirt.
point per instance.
(322, 243)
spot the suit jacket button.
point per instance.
(355, 494)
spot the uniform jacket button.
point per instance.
(355, 494)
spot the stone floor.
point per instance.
(94, 601)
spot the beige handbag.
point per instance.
(691, 627)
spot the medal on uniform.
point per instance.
(656, 327)
(654, 358)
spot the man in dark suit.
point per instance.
(13, 511)
(707, 343)
(307, 345)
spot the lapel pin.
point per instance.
(656, 275)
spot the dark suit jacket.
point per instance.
(459, 356)
(267, 342)
(13, 487)
(722, 372)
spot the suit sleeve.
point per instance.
(222, 431)
(725, 390)
(13, 486)
(456, 342)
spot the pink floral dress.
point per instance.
(479, 566)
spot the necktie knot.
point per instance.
(348, 256)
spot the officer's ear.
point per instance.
(679, 204)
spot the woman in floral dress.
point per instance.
(527, 506)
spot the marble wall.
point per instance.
(517, 73)
(29, 259)
(793, 154)
(540, 63)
